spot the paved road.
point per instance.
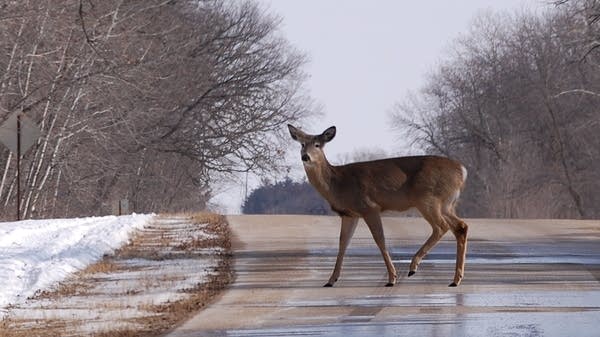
(523, 278)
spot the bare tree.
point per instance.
(144, 100)
(362, 154)
(589, 11)
(516, 104)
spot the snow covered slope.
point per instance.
(35, 254)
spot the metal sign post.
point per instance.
(18, 167)
(18, 133)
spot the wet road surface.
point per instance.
(522, 278)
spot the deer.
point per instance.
(431, 184)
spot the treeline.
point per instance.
(144, 100)
(285, 197)
(290, 197)
(518, 101)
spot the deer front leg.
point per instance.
(346, 232)
(373, 220)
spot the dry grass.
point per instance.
(50, 328)
(104, 266)
(118, 333)
(63, 289)
(160, 318)
(210, 218)
(201, 296)
(77, 288)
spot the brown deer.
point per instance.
(431, 184)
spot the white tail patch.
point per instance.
(371, 203)
(464, 173)
(454, 199)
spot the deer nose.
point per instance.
(305, 157)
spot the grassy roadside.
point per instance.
(169, 270)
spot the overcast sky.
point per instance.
(365, 56)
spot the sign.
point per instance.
(18, 133)
(120, 207)
(8, 133)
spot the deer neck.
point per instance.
(320, 176)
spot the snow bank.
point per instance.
(35, 254)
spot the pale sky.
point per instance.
(365, 56)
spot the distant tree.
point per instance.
(285, 197)
(362, 154)
(590, 11)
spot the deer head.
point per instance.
(312, 145)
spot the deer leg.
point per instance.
(459, 229)
(373, 220)
(432, 213)
(346, 233)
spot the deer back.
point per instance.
(388, 184)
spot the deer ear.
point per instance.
(328, 134)
(293, 132)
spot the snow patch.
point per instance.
(36, 254)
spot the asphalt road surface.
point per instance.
(522, 278)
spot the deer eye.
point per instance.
(303, 145)
(317, 145)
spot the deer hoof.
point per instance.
(452, 285)
(328, 285)
(411, 273)
(390, 284)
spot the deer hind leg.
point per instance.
(346, 232)
(373, 221)
(459, 229)
(432, 212)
